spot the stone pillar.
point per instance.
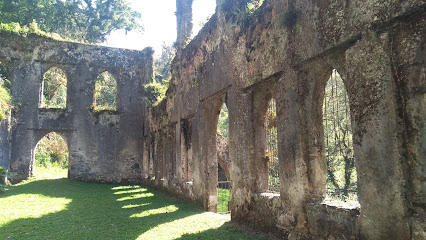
(184, 22)
(381, 184)
(241, 152)
(26, 80)
(293, 165)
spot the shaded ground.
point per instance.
(48, 207)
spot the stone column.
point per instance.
(381, 184)
(293, 162)
(184, 22)
(241, 152)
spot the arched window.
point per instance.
(341, 172)
(52, 152)
(271, 150)
(105, 95)
(53, 91)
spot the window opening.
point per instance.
(53, 89)
(52, 155)
(271, 153)
(186, 149)
(341, 171)
(222, 147)
(105, 95)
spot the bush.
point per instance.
(4, 175)
(5, 99)
(52, 151)
(155, 92)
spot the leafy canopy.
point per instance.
(81, 20)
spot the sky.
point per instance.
(159, 21)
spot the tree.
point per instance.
(341, 172)
(163, 63)
(54, 89)
(105, 96)
(81, 20)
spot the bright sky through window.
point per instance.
(159, 20)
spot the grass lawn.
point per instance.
(50, 206)
(223, 197)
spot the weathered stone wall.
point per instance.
(287, 50)
(104, 146)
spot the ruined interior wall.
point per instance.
(291, 47)
(286, 49)
(104, 146)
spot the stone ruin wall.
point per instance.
(104, 146)
(286, 50)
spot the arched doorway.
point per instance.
(51, 156)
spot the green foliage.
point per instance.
(4, 175)
(16, 28)
(5, 98)
(52, 151)
(223, 122)
(155, 92)
(5, 105)
(223, 197)
(253, 5)
(163, 64)
(341, 172)
(81, 20)
(54, 89)
(105, 95)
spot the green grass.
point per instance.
(223, 198)
(50, 206)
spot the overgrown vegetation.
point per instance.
(223, 197)
(54, 89)
(341, 172)
(105, 95)
(155, 91)
(52, 151)
(253, 5)
(52, 207)
(4, 176)
(27, 29)
(80, 20)
(5, 98)
(223, 122)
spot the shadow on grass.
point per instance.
(102, 211)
